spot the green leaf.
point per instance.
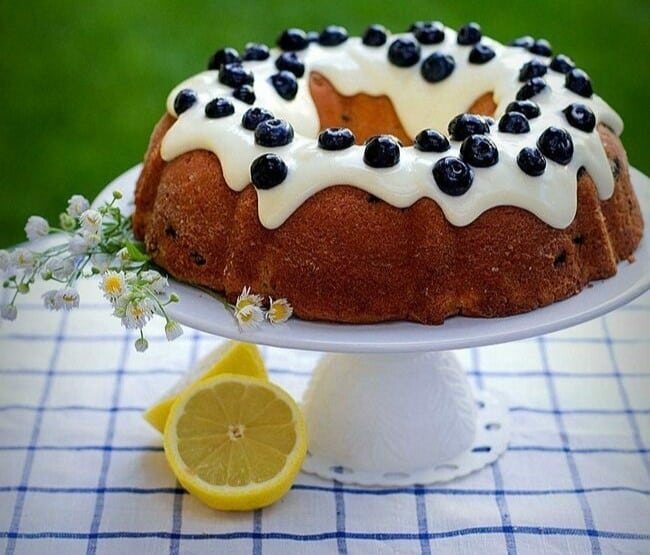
(135, 253)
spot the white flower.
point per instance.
(248, 309)
(5, 261)
(157, 282)
(58, 268)
(91, 239)
(279, 311)
(141, 344)
(77, 245)
(102, 261)
(173, 330)
(137, 313)
(77, 205)
(247, 298)
(22, 258)
(91, 221)
(113, 285)
(36, 227)
(8, 312)
(51, 300)
(122, 256)
(249, 316)
(67, 298)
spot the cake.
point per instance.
(414, 176)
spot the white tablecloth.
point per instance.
(81, 472)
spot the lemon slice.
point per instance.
(231, 357)
(235, 442)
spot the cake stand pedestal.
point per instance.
(389, 404)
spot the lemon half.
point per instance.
(232, 357)
(235, 442)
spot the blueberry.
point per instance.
(514, 122)
(404, 53)
(437, 67)
(522, 42)
(245, 93)
(464, 125)
(374, 35)
(469, 34)
(184, 100)
(428, 32)
(219, 108)
(382, 151)
(290, 62)
(268, 171)
(285, 84)
(556, 144)
(273, 132)
(333, 35)
(541, 47)
(531, 88)
(254, 116)
(531, 161)
(562, 63)
(580, 117)
(480, 54)
(235, 75)
(256, 52)
(223, 56)
(578, 82)
(529, 108)
(430, 140)
(453, 176)
(293, 39)
(336, 138)
(531, 69)
(479, 151)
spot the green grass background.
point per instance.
(82, 82)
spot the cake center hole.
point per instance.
(367, 115)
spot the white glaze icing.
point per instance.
(352, 68)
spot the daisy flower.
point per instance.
(137, 313)
(91, 221)
(113, 285)
(156, 281)
(67, 298)
(279, 311)
(77, 205)
(249, 316)
(8, 312)
(23, 258)
(51, 300)
(36, 227)
(173, 330)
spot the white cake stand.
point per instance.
(389, 404)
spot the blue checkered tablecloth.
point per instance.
(81, 472)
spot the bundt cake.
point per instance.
(315, 172)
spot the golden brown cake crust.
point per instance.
(347, 256)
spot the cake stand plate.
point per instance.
(201, 311)
(402, 412)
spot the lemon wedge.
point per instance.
(235, 442)
(232, 357)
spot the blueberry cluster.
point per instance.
(267, 170)
(541, 47)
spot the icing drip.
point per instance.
(353, 68)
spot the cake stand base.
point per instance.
(399, 419)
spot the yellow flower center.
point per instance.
(278, 311)
(113, 285)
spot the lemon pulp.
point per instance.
(232, 357)
(235, 442)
